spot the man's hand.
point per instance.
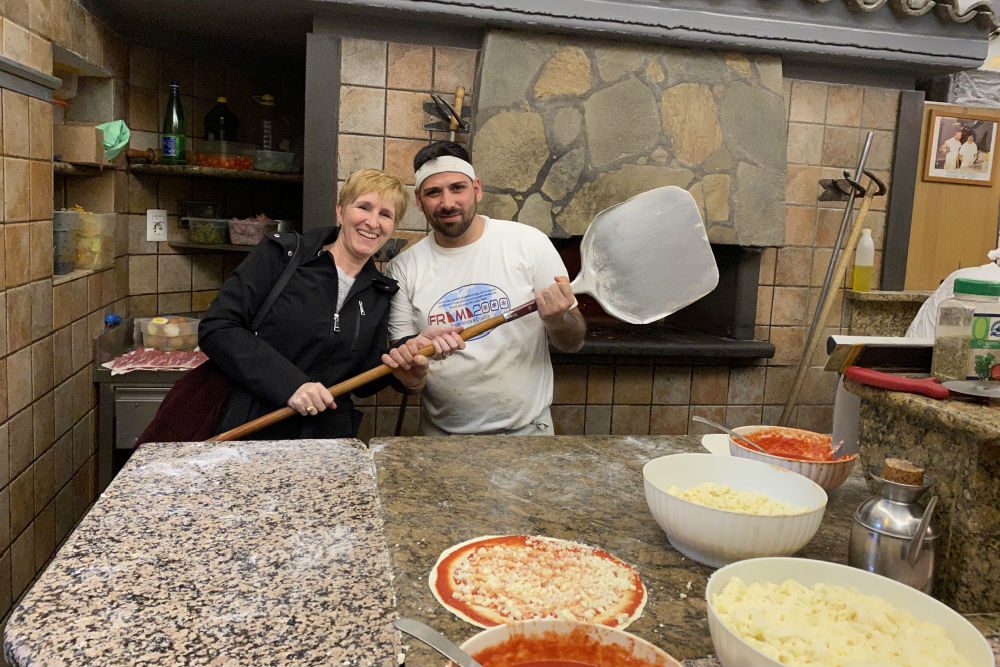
(410, 367)
(563, 322)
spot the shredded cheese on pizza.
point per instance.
(549, 579)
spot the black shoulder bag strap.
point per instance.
(286, 275)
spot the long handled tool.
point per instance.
(875, 188)
(641, 260)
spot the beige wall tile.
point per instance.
(454, 67)
(569, 419)
(802, 185)
(805, 143)
(3, 390)
(41, 370)
(142, 306)
(4, 476)
(63, 448)
(5, 534)
(136, 231)
(414, 219)
(793, 266)
(672, 385)
(840, 147)
(62, 398)
(598, 420)
(78, 297)
(743, 415)
(40, 54)
(143, 113)
(800, 225)
(44, 473)
(94, 292)
(206, 272)
(16, 42)
(716, 413)
(362, 62)
(41, 309)
(356, 151)
(141, 194)
(790, 305)
(61, 305)
(788, 344)
(200, 301)
(768, 260)
(765, 297)
(175, 302)
(18, 11)
(22, 501)
(142, 274)
(399, 158)
(60, 22)
(630, 420)
(817, 418)
(633, 385)
(22, 447)
(65, 515)
(879, 108)
(410, 66)
(405, 115)
(668, 420)
(821, 261)
(818, 388)
(18, 304)
(17, 202)
(142, 66)
(39, 129)
(173, 273)
(362, 110)
(570, 384)
(22, 559)
(843, 105)
(40, 192)
(746, 385)
(170, 190)
(883, 148)
(43, 423)
(808, 102)
(828, 221)
(16, 124)
(709, 385)
(45, 536)
(600, 384)
(81, 344)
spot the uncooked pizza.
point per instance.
(493, 580)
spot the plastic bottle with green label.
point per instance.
(984, 342)
(172, 141)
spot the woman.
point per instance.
(329, 323)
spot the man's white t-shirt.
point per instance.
(503, 378)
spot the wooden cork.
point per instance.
(902, 471)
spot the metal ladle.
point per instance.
(436, 641)
(731, 432)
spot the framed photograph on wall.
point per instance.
(960, 149)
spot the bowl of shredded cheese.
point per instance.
(717, 510)
(796, 612)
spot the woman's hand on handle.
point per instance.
(311, 398)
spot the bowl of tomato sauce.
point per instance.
(559, 643)
(806, 452)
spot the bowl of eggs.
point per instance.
(556, 642)
(808, 453)
(718, 509)
(168, 333)
(785, 612)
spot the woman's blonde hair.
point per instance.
(386, 185)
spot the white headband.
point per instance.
(442, 164)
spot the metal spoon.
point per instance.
(730, 431)
(436, 641)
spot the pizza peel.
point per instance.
(641, 260)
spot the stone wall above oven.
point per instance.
(566, 127)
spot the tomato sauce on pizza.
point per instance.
(492, 580)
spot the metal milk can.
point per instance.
(892, 535)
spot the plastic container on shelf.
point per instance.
(864, 262)
(208, 231)
(168, 332)
(95, 241)
(222, 154)
(65, 227)
(250, 231)
(967, 336)
(274, 161)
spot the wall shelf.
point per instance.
(212, 172)
(69, 169)
(213, 247)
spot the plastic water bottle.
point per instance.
(864, 262)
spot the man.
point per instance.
(469, 269)
(950, 149)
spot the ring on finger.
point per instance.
(311, 408)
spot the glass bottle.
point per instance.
(267, 114)
(221, 123)
(173, 129)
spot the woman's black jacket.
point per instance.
(301, 339)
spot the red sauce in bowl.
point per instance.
(574, 649)
(794, 444)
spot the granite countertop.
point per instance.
(249, 553)
(437, 492)
(979, 419)
(915, 296)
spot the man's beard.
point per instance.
(456, 229)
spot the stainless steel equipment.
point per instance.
(893, 536)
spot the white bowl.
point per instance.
(828, 474)
(716, 537)
(583, 637)
(734, 652)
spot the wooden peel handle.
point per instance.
(459, 100)
(353, 383)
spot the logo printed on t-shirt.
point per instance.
(468, 305)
